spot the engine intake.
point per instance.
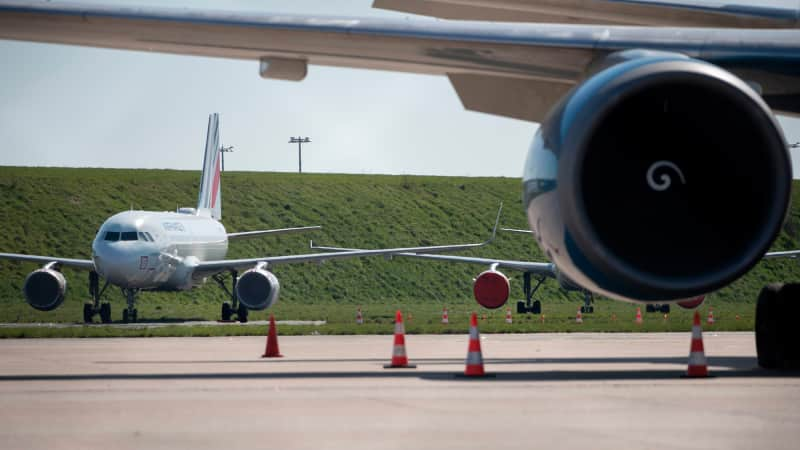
(669, 178)
(258, 289)
(45, 289)
(491, 289)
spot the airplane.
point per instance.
(619, 213)
(178, 251)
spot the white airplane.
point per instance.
(176, 251)
(659, 172)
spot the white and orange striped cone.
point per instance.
(509, 319)
(474, 367)
(579, 317)
(445, 318)
(399, 358)
(638, 316)
(541, 318)
(710, 320)
(359, 317)
(698, 367)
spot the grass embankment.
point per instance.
(57, 212)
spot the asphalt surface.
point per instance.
(582, 391)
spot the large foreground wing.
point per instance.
(516, 70)
(85, 264)
(610, 12)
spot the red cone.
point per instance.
(638, 315)
(579, 317)
(359, 317)
(399, 358)
(474, 357)
(509, 319)
(710, 319)
(445, 318)
(272, 350)
(697, 356)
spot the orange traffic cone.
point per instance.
(509, 319)
(359, 317)
(272, 350)
(445, 319)
(579, 317)
(541, 318)
(638, 315)
(474, 366)
(399, 358)
(613, 317)
(697, 356)
(710, 319)
(738, 317)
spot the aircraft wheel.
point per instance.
(521, 308)
(105, 312)
(777, 342)
(227, 311)
(537, 307)
(242, 314)
(665, 309)
(88, 312)
(125, 316)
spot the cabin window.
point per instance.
(112, 236)
(129, 236)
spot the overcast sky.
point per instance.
(78, 107)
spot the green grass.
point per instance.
(57, 211)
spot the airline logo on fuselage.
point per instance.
(173, 226)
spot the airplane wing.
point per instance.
(538, 268)
(259, 233)
(85, 264)
(517, 70)
(610, 12)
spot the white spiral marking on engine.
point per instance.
(666, 180)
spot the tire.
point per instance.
(227, 311)
(242, 314)
(105, 312)
(665, 309)
(537, 307)
(777, 340)
(88, 312)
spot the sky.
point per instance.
(82, 107)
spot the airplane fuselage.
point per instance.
(156, 250)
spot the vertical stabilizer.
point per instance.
(210, 201)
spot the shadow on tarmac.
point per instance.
(738, 367)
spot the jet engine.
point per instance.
(491, 289)
(45, 288)
(659, 178)
(258, 289)
(692, 303)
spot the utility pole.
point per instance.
(224, 150)
(299, 141)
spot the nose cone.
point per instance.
(116, 263)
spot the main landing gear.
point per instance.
(130, 313)
(655, 307)
(95, 307)
(777, 338)
(526, 306)
(588, 303)
(228, 308)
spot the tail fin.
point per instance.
(210, 200)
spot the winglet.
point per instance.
(496, 224)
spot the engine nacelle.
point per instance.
(659, 178)
(45, 289)
(692, 303)
(491, 289)
(257, 289)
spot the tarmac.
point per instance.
(581, 390)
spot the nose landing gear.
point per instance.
(130, 314)
(529, 306)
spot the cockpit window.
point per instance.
(143, 237)
(129, 236)
(112, 236)
(149, 236)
